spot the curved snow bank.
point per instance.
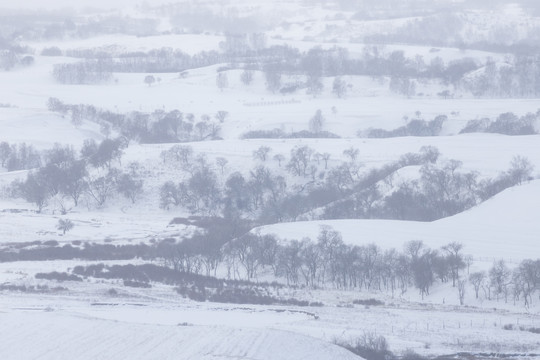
(50, 335)
(505, 226)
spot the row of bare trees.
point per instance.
(329, 262)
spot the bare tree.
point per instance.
(477, 280)
(279, 158)
(339, 87)
(262, 153)
(221, 162)
(221, 115)
(222, 80)
(65, 225)
(351, 153)
(461, 291)
(316, 123)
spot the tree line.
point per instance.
(155, 127)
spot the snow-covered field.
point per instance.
(87, 320)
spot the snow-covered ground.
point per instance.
(34, 333)
(88, 321)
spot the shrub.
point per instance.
(58, 276)
(369, 346)
(368, 302)
(137, 284)
(412, 355)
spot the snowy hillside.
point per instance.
(348, 179)
(488, 231)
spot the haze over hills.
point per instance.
(262, 180)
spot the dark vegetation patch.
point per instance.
(416, 127)
(87, 252)
(280, 134)
(58, 276)
(39, 289)
(368, 302)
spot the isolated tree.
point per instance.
(461, 291)
(261, 153)
(221, 162)
(326, 158)
(222, 115)
(279, 158)
(352, 153)
(316, 123)
(246, 77)
(65, 225)
(339, 87)
(222, 80)
(149, 80)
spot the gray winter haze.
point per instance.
(270, 180)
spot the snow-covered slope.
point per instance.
(30, 335)
(505, 226)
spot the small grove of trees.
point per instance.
(516, 78)
(21, 156)
(200, 192)
(518, 284)
(416, 127)
(507, 123)
(85, 72)
(67, 177)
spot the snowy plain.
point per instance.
(86, 322)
